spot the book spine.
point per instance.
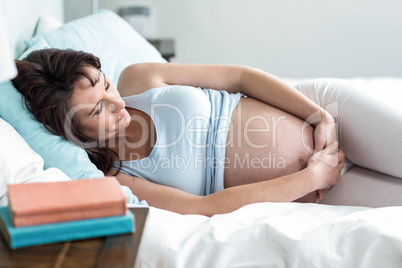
(75, 230)
(72, 215)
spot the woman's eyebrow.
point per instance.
(94, 80)
(97, 81)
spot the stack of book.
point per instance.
(43, 213)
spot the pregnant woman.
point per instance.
(190, 138)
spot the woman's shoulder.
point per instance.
(138, 78)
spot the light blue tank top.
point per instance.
(191, 128)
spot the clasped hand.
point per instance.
(327, 160)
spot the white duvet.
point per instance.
(275, 235)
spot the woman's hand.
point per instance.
(327, 165)
(324, 134)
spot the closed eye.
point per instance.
(100, 108)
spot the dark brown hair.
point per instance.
(47, 79)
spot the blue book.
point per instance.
(25, 236)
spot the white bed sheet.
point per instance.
(288, 234)
(275, 235)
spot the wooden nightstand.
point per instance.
(113, 251)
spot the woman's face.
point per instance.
(100, 110)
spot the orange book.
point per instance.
(51, 202)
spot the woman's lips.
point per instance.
(123, 114)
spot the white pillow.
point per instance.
(107, 36)
(46, 24)
(19, 163)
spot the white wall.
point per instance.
(290, 38)
(21, 16)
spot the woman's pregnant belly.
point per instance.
(264, 142)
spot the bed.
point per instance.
(357, 224)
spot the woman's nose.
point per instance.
(116, 104)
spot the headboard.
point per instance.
(21, 16)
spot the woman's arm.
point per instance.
(286, 188)
(232, 78)
(255, 83)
